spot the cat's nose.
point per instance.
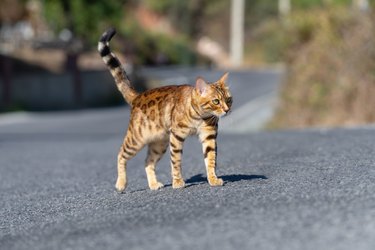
(226, 110)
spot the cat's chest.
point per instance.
(188, 129)
(193, 131)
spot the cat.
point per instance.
(166, 116)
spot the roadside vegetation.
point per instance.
(330, 69)
(87, 21)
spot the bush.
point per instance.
(330, 76)
(267, 43)
(153, 48)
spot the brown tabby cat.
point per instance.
(166, 116)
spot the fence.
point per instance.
(48, 91)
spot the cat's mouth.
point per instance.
(223, 114)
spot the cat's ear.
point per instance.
(223, 79)
(201, 86)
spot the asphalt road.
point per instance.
(310, 189)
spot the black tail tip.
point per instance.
(108, 34)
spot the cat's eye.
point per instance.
(229, 100)
(215, 101)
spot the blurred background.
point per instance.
(321, 54)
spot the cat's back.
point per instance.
(161, 96)
(152, 109)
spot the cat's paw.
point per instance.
(178, 183)
(156, 185)
(120, 185)
(215, 181)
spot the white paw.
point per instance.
(178, 183)
(120, 185)
(156, 186)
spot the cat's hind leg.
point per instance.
(155, 152)
(128, 150)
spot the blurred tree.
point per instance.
(11, 11)
(84, 18)
(306, 4)
(81, 22)
(187, 16)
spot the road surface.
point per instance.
(305, 189)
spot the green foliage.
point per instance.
(85, 18)
(308, 4)
(150, 45)
(305, 4)
(267, 43)
(189, 16)
(268, 39)
(162, 6)
(54, 14)
(260, 10)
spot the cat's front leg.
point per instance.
(207, 137)
(176, 142)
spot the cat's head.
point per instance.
(214, 98)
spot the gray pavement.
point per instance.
(305, 189)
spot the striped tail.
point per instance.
(115, 67)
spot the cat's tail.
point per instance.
(115, 67)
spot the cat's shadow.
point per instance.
(200, 178)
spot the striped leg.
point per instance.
(208, 138)
(155, 152)
(128, 149)
(176, 142)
